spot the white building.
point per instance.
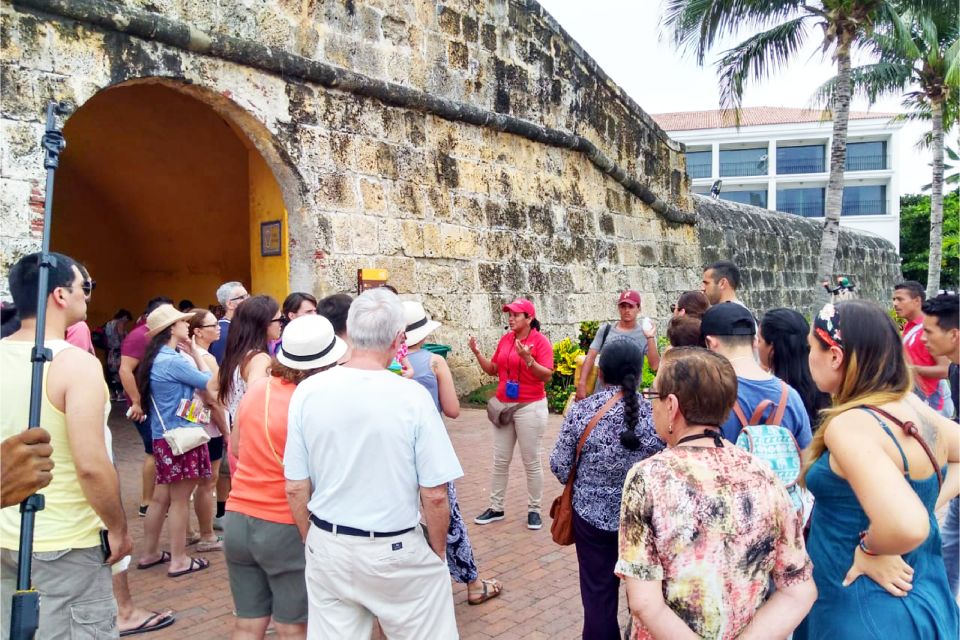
(779, 158)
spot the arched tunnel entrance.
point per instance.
(159, 194)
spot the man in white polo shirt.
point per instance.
(365, 448)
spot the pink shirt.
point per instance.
(511, 367)
(135, 344)
(78, 334)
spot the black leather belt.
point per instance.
(338, 529)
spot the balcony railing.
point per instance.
(800, 166)
(866, 163)
(864, 208)
(805, 209)
(748, 168)
(699, 170)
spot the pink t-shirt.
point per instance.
(511, 367)
(78, 334)
(135, 344)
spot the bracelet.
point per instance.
(863, 544)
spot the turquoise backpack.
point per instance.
(776, 446)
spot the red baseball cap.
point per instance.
(630, 296)
(521, 305)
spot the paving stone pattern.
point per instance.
(541, 597)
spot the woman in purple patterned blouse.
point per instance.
(622, 437)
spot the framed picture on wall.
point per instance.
(271, 238)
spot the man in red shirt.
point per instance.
(928, 370)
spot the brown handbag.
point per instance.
(562, 508)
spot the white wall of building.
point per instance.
(772, 137)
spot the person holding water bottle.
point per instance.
(523, 363)
(643, 332)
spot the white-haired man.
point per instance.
(365, 448)
(229, 295)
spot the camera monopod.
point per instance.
(25, 614)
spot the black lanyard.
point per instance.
(710, 433)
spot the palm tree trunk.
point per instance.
(936, 200)
(840, 105)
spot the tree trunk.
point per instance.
(936, 201)
(840, 105)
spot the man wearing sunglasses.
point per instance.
(78, 334)
(229, 295)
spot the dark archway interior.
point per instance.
(153, 194)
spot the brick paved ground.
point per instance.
(541, 597)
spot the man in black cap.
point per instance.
(730, 329)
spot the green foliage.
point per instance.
(646, 380)
(561, 385)
(481, 395)
(915, 238)
(897, 320)
(588, 331)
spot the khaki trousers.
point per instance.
(527, 429)
(399, 580)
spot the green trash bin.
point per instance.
(439, 349)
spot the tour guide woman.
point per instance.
(522, 362)
(704, 525)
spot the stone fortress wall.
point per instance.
(470, 147)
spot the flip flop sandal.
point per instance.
(205, 546)
(196, 564)
(194, 539)
(164, 621)
(495, 590)
(164, 557)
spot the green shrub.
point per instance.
(588, 330)
(561, 385)
(481, 395)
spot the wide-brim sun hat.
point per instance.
(162, 317)
(418, 324)
(308, 342)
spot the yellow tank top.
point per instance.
(67, 520)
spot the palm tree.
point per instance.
(697, 25)
(925, 70)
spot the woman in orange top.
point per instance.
(264, 550)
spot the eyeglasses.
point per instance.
(673, 308)
(280, 319)
(239, 298)
(209, 326)
(651, 394)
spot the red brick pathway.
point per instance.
(541, 597)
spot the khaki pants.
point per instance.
(527, 428)
(76, 593)
(399, 580)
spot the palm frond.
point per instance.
(757, 57)
(952, 57)
(870, 81)
(695, 26)
(896, 30)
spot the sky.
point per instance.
(627, 41)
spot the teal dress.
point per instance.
(864, 609)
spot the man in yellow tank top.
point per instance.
(69, 569)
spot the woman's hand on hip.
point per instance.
(890, 572)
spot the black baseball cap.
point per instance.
(728, 319)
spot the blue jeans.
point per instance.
(951, 542)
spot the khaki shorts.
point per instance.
(76, 594)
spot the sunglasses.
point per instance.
(650, 394)
(673, 308)
(88, 286)
(280, 319)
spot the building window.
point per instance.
(743, 162)
(806, 202)
(755, 197)
(699, 164)
(866, 156)
(864, 201)
(805, 159)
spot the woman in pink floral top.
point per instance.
(704, 525)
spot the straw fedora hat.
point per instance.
(309, 342)
(419, 326)
(162, 317)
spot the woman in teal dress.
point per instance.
(874, 539)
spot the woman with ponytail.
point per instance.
(623, 436)
(783, 349)
(875, 467)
